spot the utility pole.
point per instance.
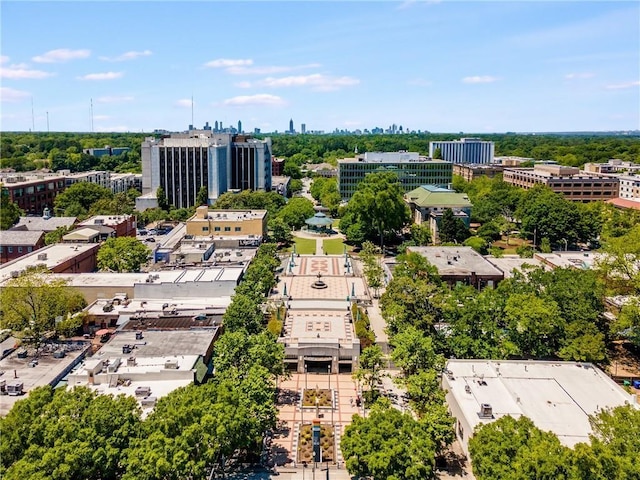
(91, 100)
(47, 122)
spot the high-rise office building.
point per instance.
(303, 128)
(291, 129)
(183, 163)
(239, 126)
(465, 150)
(412, 170)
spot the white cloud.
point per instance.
(132, 55)
(115, 99)
(228, 62)
(184, 102)
(260, 99)
(101, 76)
(22, 71)
(480, 79)
(268, 69)
(316, 81)
(4, 59)
(12, 95)
(620, 86)
(579, 75)
(61, 55)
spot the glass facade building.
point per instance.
(465, 150)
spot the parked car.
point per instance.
(150, 239)
(142, 232)
(153, 231)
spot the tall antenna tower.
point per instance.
(192, 109)
(47, 122)
(92, 115)
(33, 118)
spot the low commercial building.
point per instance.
(148, 364)
(510, 264)
(581, 260)
(89, 234)
(221, 223)
(412, 169)
(461, 265)
(107, 150)
(428, 203)
(570, 181)
(280, 184)
(56, 258)
(469, 171)
(211, 282)
(614, 165)
(15, 243)
(33, 192)
(557, 396)
(123, 225)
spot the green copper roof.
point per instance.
(428, 196)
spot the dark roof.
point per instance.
(20, 237)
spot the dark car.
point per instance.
(150, 239)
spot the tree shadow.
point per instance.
(288, 397)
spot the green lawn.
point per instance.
(335, 246)
(305, 246)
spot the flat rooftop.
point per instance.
(556, 396)
(316, 326)
(165, 343)
(230, 215)
(457, 261)
(108, 220)
(44, 373)
(514, 263)
(584, 260)
(56, 254)
(152, 307)
(109, 279)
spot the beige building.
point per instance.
(469, 171)
(225, 223)
(570, 181)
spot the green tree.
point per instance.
(452, 229)
(413, 351)
(79, 198)
(478, 244)
(279, 231)
(9, 212)
(510, 449)
(68, 433)
(56, 235)
(619, 263)
(420, 235)
(391, 445)
(243, 313)
(31, 303)
(370, 367)
(437, 154)
(122, 254)
(296, 211)
(535, 325)
(377, 209)
(163, 202)
(202, 198)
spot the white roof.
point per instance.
(556, 396)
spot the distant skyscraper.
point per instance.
(465, 150)
(291, 130)
(239, 126)
(303, 128)
(216, 126)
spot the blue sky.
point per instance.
(442, 66)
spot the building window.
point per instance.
(10, 249)
(238, 229)
(227, 229)
(1, 249)
(205, 229)
(19, 249)
(216, 229)
(29, 249)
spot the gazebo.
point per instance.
(319, 222)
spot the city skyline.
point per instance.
(477, 67)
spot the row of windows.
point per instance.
(226, 229)
(20, 249)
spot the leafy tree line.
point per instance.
(510, 449)
(59, 150)
(566, 149)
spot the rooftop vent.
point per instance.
(171, 365)
(486, 411)
(42, 256)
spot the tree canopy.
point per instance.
(122, 254)
(376, 210)
(9, 212)
(78, 199)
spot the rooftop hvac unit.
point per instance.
(148, 401)
(486, 411)
(114, 366)
(171, 365)
(15, 274)
(143, 391)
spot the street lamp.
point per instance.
(566, 244)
